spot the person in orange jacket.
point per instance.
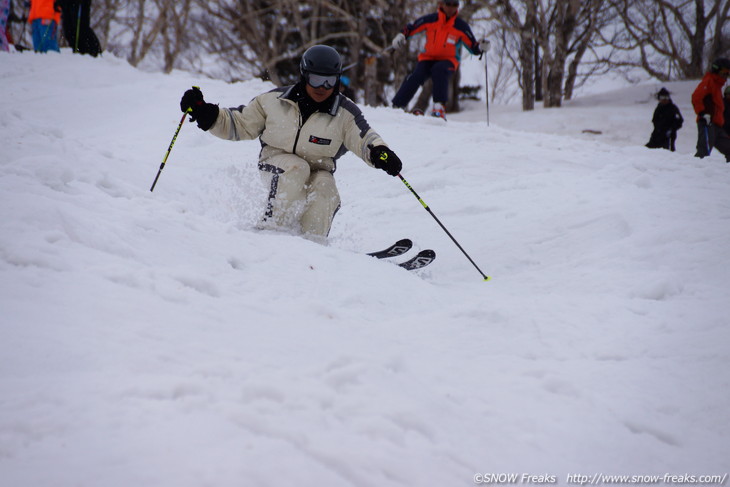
(445, 34)
(709, 107)
(44, 21)
(726, 112)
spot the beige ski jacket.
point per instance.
(275, 118)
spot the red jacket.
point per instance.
(707, 98)
(443, 37)
(43, 9)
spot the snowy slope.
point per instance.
(156, 339)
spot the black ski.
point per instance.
(422, 259)
(398, 248)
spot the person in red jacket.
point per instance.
(726, 112)
(44, 21)
(445, 34)
(709, 107)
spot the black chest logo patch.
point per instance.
(319, 140)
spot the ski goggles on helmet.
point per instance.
(326, 81)
(451, 3)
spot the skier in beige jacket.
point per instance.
(303, 129)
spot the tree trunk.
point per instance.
(371, 81)
(564, 28)
(527, 55)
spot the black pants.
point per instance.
(75, 16)
(709, 137)
(662, 139)
(439, 71)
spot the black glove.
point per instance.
(385, 159)
(204, 113)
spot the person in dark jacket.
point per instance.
(667, 120)
(76, 19)
(709, 107)
(345, 88)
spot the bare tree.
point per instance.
(519, 20)
(551, 38)
(567, 29)
(556, 26)
(145, 25)
(175, 37)
(103, 15)
(272, 35)
(504, 71)
(593, 18)
(669, 39)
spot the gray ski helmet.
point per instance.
(720, 64)
(321, 59)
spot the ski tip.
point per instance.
(421, 260)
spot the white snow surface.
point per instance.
(158, 339)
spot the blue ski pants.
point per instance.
(45, 35)
(439, 71)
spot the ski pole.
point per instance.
(45, 36)
(78, 30)
(169, 149)
(486, 278)
(24, 21)
(486, 74)
(707, 140)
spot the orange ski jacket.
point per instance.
(43, 9)
(444, 37)
(707, 98)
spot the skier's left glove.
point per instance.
(204, 113)
(484, 46)
(385, 159)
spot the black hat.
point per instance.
(321, 59)
(720, 65)
(663, 92)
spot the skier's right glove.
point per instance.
(204, 113)
(399, 41)
(707, 118)
(385, 159)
